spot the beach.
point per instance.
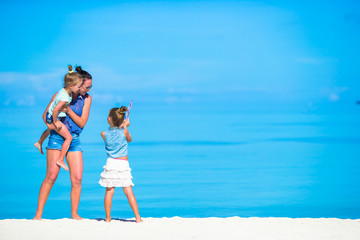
(244, 122)
(183, 228)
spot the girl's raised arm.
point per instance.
(127, 134)
(81, 120)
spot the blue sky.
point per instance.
(183, 51)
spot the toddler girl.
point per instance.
(117, 172)
(54, 118)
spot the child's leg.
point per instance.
(132, 201)
(109, 193)
(39, 143)
(64, 132)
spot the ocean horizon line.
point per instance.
(324, 139)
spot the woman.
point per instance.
(77, 116)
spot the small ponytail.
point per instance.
(70, 69)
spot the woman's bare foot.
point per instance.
(37, 218)
(76, 217)
(62, 164)
(108, 219)
(139, 220)
(39, 147)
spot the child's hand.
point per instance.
(125, 123)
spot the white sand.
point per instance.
(184, 228)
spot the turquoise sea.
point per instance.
(203, 160)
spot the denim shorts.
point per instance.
(49, 118)
(56, 141)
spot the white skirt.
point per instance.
(117, 173)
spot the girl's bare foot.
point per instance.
(139, 220)
(76, 217)
(39, 147)
(108, 219)
(62, 164)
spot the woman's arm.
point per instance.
(81, 120)
(127, 134)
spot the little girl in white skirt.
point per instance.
(117, 172)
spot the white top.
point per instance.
(61, 96)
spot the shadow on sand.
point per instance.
(116, 219)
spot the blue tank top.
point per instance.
(76, 105)
(115, 143)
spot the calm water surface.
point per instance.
(283, 163)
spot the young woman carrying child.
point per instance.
(117, 172)
(77, 115)
(54, 117)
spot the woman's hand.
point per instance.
(58, 125)
(64, 109)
